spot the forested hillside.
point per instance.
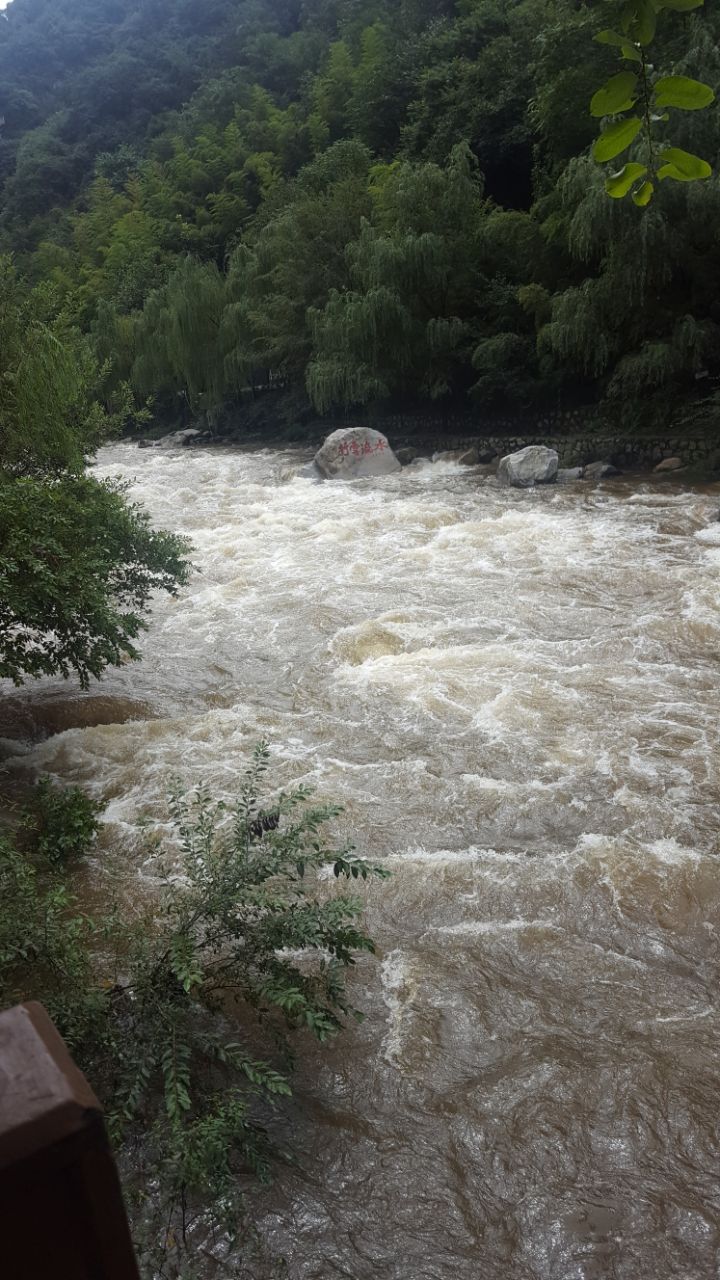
(355, 202)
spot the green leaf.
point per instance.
(610, 37)
(620, 183)
(643, 195)
(617, 95)
(682, 166)
(616, 138)
(640, 21)
(617, 41)
(680, 91)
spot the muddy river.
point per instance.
(516, 697)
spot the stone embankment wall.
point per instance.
(578, 451)
(576, 435)
(576, 422)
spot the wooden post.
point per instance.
(61, 1211)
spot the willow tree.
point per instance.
(408, 323)
(641, 322)
(290, 265)
(178, 338)
(48, 417)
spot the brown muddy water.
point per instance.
(515, 695)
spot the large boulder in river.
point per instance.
(528, 467)
(355, 453)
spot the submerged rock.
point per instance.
(466, 457)
(567, 474)
(406, 455)
(530, 466)
(356, 453)
(470, 458)
(310, 471)
(600, 470)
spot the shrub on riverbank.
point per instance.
(181, 1019)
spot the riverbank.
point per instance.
(698, 455)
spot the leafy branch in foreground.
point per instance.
(78, 567)
(186, 1036)
(647, 96)
(78, 563)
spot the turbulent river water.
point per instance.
(515, 695)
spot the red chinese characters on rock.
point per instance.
(354, 448)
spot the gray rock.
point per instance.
(470, 458)
(669, 464)
(406, 456)
(599, 471)
(567, 474)
(180, 438)
(310, 472)
(146, 444)
(356, 453)
(530, 466)
(486, 456)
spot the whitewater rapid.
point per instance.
(515, 696)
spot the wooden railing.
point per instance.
(61, 1211)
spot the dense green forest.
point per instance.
(352, 202)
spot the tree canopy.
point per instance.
(78, 564)
(351, 201)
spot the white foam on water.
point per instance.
(450, 857)
(476, 928)
(709, 537)
(463, 667)
(515, 697)
(399, 989)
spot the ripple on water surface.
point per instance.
(515, 696)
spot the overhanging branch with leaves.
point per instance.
(647, 95)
